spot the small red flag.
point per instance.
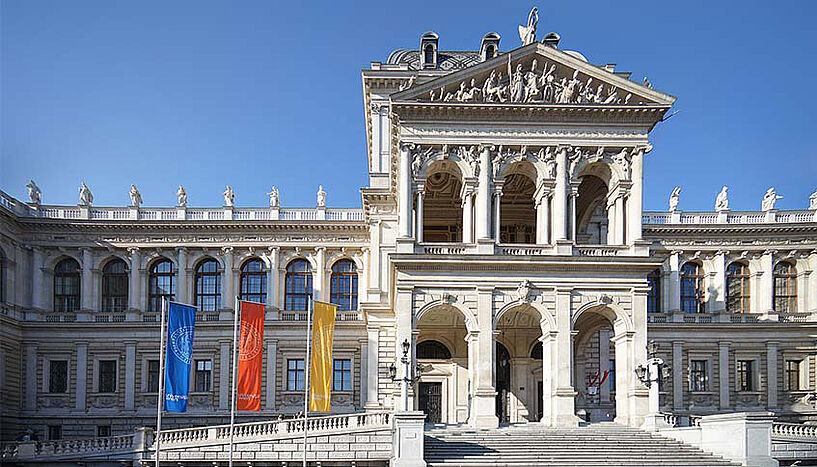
(250, 356)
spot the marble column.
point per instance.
(86, 294)
(419, 227)
(228, 289)
(181, 279)
(674, 299)
(372, 367)
(717, 291)
(723, 374)
(38, 289)
(771, 375)
(130, 374)
(467, 217)
(484, 401)
(272, 276)
(82, 375)
(224, 380)
(374, 269)
(542, 219)
(497, 214)
(619, 207)
(766, 291)
(636, 193)
(364, 370)
(363, 273)
(272, 362)
(133, 279)
(560, 196)
(483, 208)
(677, 375)
(611, 221)
(31, 375)
(404, 191)
(318, 285)
(574, 193)
(563, 413)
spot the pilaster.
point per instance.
(130, 374)
(86, 295)
(483, 208)
(181, 282)
(82, 375)
(228, 291)
(224, 375)
(372, 366)
(771, 375)
(677, 375)
(560, 196)
(31, 375)
(636, 199)
(134, 291)
(404, 191)
(319, 285)
(484, 401)
(564, 414)
(723, 374)
(272, 362)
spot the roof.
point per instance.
(449, 60)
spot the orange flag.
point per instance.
(250, 356)
(320, 376)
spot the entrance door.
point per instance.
(503, 383)
(431, 401)
(539, 401)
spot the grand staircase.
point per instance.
(529, 445)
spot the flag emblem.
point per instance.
(250, 344)
(181, 341)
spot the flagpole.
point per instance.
(235, 377)
(161, 395)
(307, 370)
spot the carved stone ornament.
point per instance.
(448, 298)
(86, 198)
(34, 193)
(524, 291)
(771, 197)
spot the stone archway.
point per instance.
(518, 330)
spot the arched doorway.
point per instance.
(594, 367)
(442, 352)
(442, 204)
(596, 206)
(517, 208)
(518, 331)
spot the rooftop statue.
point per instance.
(769, 199)
(528, 33)
(674, 198)
(85, 196)
(722, 201)
(135, 196)
(229, 196)
(34, 193)
(812, 200)
(274, 199)
(321, 197)
(181, 197)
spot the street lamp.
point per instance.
(407, 378)
(651, 376)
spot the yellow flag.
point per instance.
(320, 376)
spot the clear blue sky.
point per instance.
(261, 93)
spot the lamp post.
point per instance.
(407, 378)
(651, 376)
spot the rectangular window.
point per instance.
(103, 431)
(342, 374)
(204, 375)
(295, 374)
(792, 375)
(746, 375)
(57, 376)
(153, 376)
(107, 376)
(54, 432)
(698, 375)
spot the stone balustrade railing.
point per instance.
(273, 429)
(730, 317)
(794, 431)
(729, 217)
(70, 448)
(178, 213)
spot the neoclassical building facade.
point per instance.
(501, 235)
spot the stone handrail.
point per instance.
(729, 217)
(795, 431)
(69, 448)
(273, 429)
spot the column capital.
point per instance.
(181, 249)
(274, 249)
(226, 250)
(133, 250)
(486, 146)
(320, 249)
(407, 147)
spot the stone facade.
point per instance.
(501, 235)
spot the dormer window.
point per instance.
(428, 49)
(490, 52)
(489, 47)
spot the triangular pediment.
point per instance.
(535, 74)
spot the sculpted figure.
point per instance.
(531, 90)
(769, 199)
(321, 197)
(473, 93)
(722, 200)
(572, 89)
(459, 96)
(612, 95)
(528, 33)
(490, 90)
(181, 197)
(34, 193)
(416, 164)
(85, 196)
(674, 198)
(549, 88)
(229, 196)
(274, 199)
(812, 200)
(516, 84)
(135, 196)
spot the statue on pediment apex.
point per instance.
(34, 193)
(528, 33)
(722, 200)
(181, 197)
(674, 197)
(812, 200)
(86, 198)
(771, 197)
(135, 196)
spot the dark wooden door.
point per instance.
(431, 401)
(503, 383)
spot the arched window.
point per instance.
(737, 287)
(208, 286)
(429, 54)
(161, 284)
(785, 287)
(654, 296)
(692, 288)
(253, 281)
(536, 351)
(298, 285)
(114, 286)
(433, 350)
(66, 285)
(344, 285)
(490, 51)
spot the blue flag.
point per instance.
(179, 355)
